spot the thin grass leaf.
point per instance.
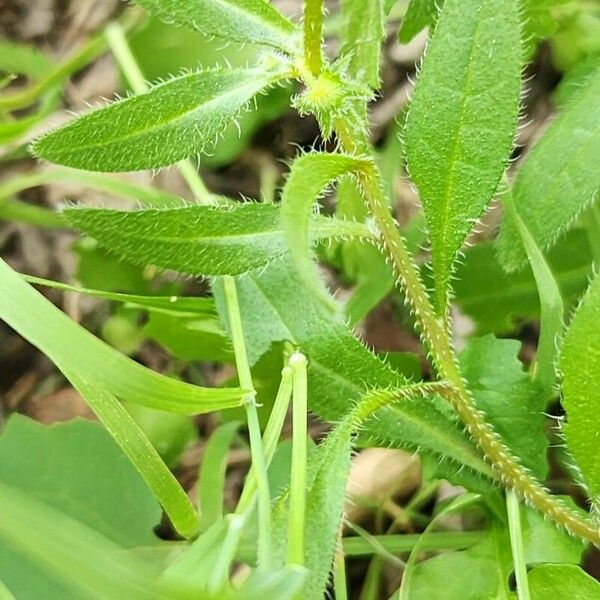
(174, 120)
(141, 453)
(202, 240)
(180, 306)
(254, 21)
(559, 178)
(461, 122)
(21, 59)
(74, 349)
(580, 367)
(364, 28)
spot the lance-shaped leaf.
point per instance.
(461, 122)
(560, 176)
(580, 367)
(202, 240)
(254, 21)
(174, 120)
(74, 349)
(364, 29)
(420, 14)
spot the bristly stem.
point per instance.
(313, 32)
(256, 447)
(437, 338)
(516, 544)
(117, 41)
(295, 549)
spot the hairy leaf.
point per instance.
(580, 367)
(508, 398)
(420, 14)
(201, 240)
(174, 120)
(364, 22)
(462, 120)
(559, 178)
(72, 348)
(253, 21)
(498, 302)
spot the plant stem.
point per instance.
(551, 303)
(340, 585)
(117, 41)
(270, 438)
(256, 448)
(438, 340)
(313, 31)
(295, 549)
(516, 544)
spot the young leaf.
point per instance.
(253, 21)
(202, 240)
(420, 14)
(72, 348)
(559, 178)
(580, 367)
(562, 581)
(174, 120)
(461, 122)
(364, 29)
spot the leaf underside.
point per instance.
(461, 122)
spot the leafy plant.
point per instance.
(476, 417)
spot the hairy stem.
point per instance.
(313, 31)
(256, 448)
(438, 341)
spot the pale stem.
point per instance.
(516, 544)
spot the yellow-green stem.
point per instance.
(313, 31)
(437, 338)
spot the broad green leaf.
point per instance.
(340, 367)
(202, 240)
(180, 306)
(211, 481)
(580, 367)
(461, 122)
(309, 176)
(420, 14)
(253, 21)
(54, 556)
(562, 581)
(498, 302)
(559, 178)
(507, 396)
(74, 349)
(174, 120)
(364, 28)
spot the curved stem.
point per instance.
(313, 31)
(438, 340)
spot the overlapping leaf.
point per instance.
(173, 121)
(74, 349)
(420, 14)
(461, 122)
(202, 240)
(580, 366)
(253, 21)
(560, 176)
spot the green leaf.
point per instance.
(202, 240)
(562, 581)
(253, 21)
(499, 302)
(420, 14)
(174, 120)
(74, 349)
(340, 367)
(580, 367)
(510, 400)
(364, 28)
(461, 122)
(19, 58)
(559, 178)
(309, 176)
